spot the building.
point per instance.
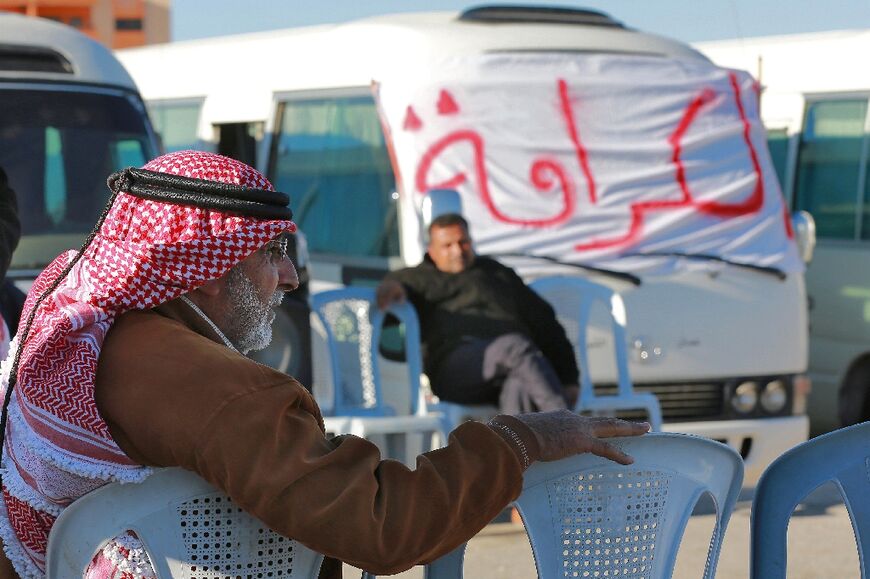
(115, 23)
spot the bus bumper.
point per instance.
(759, 441)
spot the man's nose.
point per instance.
(288, 279)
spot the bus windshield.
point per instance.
(329, 154)
(57, 146)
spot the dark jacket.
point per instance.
(10, 227)
(485, 301)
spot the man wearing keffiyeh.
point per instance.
(129, 357)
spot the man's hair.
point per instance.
(448, 219)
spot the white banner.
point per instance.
(594, 158)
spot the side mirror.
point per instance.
(440, 202)
(804, 234)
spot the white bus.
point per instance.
(721, 342)
(69, 116)
(814, 104)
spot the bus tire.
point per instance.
(854, 398)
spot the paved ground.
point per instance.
(821, 545)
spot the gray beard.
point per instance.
(250, 323)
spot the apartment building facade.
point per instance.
(115, 23)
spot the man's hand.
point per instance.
(389, 292)
(562, 433)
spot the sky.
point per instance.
(686, 20)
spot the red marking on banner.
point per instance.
(446, 104)
(541, 175)
(754, 202)
(639, 210)
(548, 174)
(538, 176)
(786, 216)
(574, 134)
(412, 121)
(437, 148)
(453, 183)
(675, 139)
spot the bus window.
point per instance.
(176, 123)
(777, 144)
(57, 147)
(128, 153)
(829, 161)
(55, 177)
(329, 155)
(865, 207)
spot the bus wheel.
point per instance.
(854, 399)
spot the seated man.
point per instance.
(487, 337)
(134, 358)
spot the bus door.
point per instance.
(239, 140)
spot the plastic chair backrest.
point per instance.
(585, 514)
(841, 457)
(189, 529)
(573, 300)
(352, 326)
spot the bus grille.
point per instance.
(679, 402)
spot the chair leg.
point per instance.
(448, 566)
(413, 447)
(435, 440)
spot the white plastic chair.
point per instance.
(573, 299)
(841, 457)
(347, 325)
(585, 514)
(189, 529)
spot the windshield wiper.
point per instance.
(624, 276)
(774, 271)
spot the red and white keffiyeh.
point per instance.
(57, 446)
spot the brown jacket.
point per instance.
(173, 395)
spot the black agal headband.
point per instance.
(223, 197)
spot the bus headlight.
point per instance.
(774, 397)
(745, 397)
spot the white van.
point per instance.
(69, 116)
(716, 307)
(815, 106)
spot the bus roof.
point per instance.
(250, 68)
(39, 49)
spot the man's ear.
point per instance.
(212, 287)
